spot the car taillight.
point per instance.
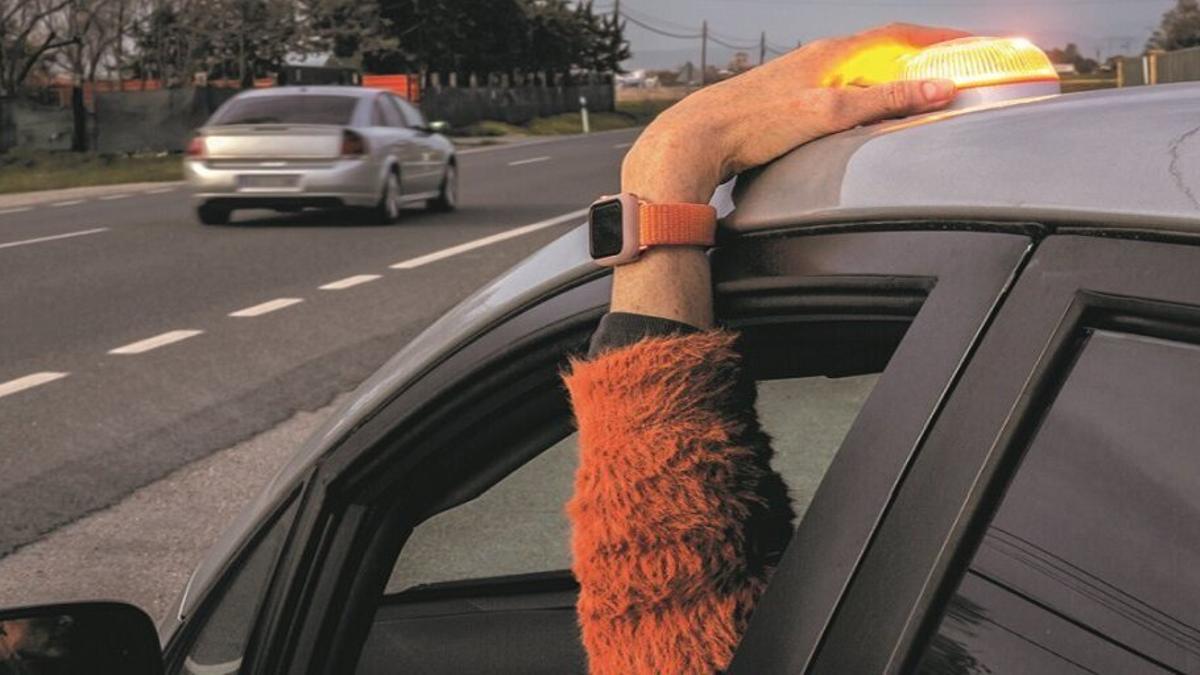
(353, 144)
(196, 148)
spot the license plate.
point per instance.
(273, 181)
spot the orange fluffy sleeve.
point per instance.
(677, 518)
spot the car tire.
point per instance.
(387, 211)
(213, 215)
(447, 199)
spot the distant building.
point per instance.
(1065, 68)
(740, 62)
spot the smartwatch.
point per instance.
(621, 226)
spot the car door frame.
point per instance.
(423, 160)
(1074, 283)
(956, 278)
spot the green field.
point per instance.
(23, 171)
(627, 115)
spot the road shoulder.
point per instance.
(142, 549)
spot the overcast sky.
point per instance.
(1111, 26)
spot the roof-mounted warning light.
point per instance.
(985, 69)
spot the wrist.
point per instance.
(671, 282)
(667, 165)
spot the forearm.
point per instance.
(677, 516)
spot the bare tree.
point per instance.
(27, 36)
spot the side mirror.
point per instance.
(87, 637)
(439, 127)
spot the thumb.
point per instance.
(896, 99)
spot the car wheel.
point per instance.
(387, 211)
(447, 199)
(212, 215)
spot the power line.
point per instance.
(659, 31)
(728, 45)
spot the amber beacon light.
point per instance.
(985, 69)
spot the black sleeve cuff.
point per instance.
(620, 329)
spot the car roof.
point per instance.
(321, 90)
(1119, 158)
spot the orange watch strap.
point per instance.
(677, 224)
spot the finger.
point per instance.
(914, 35)
(894, 99)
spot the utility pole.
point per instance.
(704, 53)
(616, 43)
(762, 47)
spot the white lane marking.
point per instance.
(158, 191)
(53, 237)
(269, 306)
(554, 139)
(28, 382)
(487, 241)
(622, 146)
(109, 198)
(531, 160)
(18, 209)
(349, 281)
(69, 202)
(155, 342)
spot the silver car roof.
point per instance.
(323, 90)
(1121, 158)
(1118, 158)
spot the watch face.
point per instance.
(607, 233)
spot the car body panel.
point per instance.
(1126, 158)
(1026, 161)
(280, 164)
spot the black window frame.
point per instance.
(803, 274)
(284, 514)
(1073, 284)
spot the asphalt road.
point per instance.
(120, 360)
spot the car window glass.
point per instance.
(295, 109)
(391, 114)
(1087, 564)
(411, 113)
(221, 642)
(519, 525)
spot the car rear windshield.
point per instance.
(296, 109)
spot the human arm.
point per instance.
(678, 519)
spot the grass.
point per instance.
(26, 171)
(1073, 83)
(627, 115)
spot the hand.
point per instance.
(755, 117)
(750, 120)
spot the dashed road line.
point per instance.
(28, 382)
(53, 237)
(349, 282)
(158, 191)
(531, 160)
(109, 198)
(142, 346)
(266, 307)
(622, 146)
(487, 241)
(69, 202)
(18, 209)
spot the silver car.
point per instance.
(290, 148)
